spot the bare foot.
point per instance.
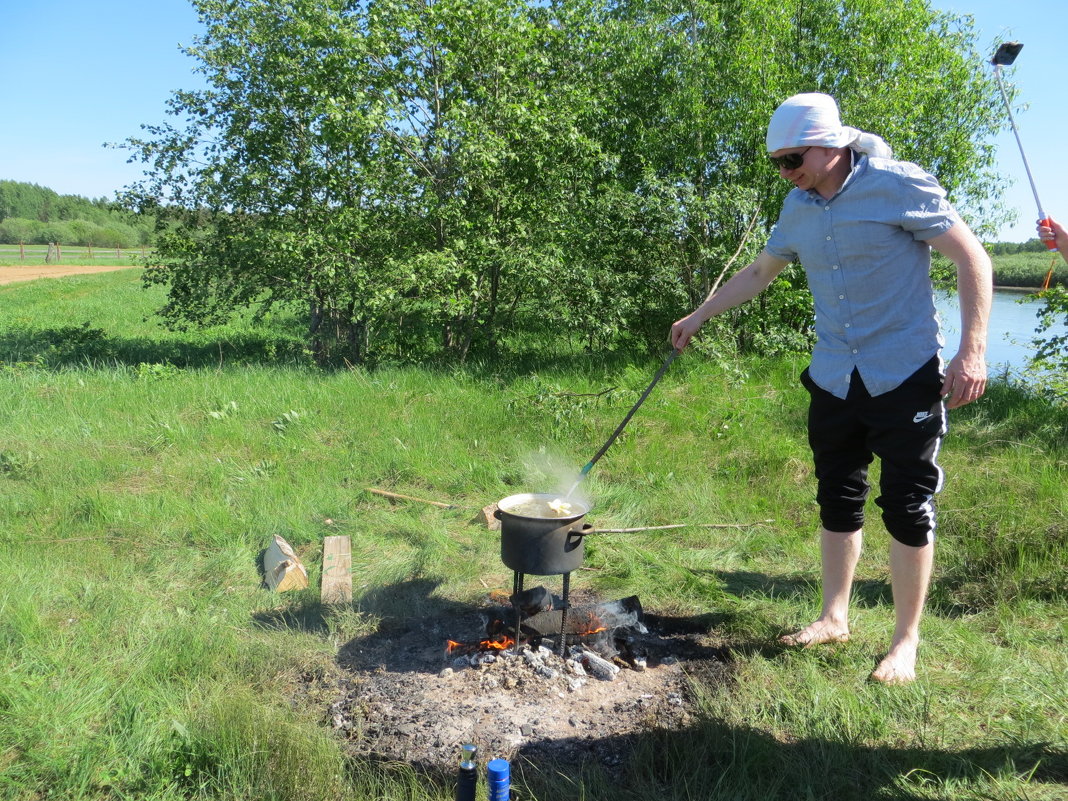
(899, 665)
(816, 634)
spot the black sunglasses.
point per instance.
(791, 161)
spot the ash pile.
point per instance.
(573, 689)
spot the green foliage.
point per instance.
(285, 420)
(1029, 269)
(556, 411)
(451, 178)
(32, 214)
(16, 465)
(1050, 363)
(1012, 248)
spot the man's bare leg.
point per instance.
(840, 552)
(910, 573)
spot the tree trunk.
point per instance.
(315, 325)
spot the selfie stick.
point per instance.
(1005, 55)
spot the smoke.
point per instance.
(551, 474)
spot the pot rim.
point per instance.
(580, 508)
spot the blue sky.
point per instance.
(77, 74)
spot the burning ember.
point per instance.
(605, 629)
(499, 643)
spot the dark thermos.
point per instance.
(467, 778)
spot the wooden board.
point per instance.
(337, 570)
(282, 569)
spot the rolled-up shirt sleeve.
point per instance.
(777, 245)
(927, 212)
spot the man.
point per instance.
(862, 226)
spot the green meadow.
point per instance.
(142, 473)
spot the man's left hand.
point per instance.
(965, 380)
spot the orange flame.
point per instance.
(500, 643)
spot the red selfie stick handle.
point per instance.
(1051, 244)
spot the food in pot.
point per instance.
(560, 506)
(539, 507)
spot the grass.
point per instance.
(1029, 269)
(142, 472)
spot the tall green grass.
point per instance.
(142, 472)
(1029, 269)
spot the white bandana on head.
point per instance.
(812, 119)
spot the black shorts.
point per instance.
(904, 428)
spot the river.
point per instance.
(1013, 318)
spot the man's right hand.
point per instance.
(744, 285)
(682, 330)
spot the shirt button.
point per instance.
(828, 239)
(834, 267)
(826, 208)
(854, 350)
(848, 324)
(841, 297)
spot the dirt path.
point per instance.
(9, 275)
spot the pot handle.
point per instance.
(497, 514)
(586, 528)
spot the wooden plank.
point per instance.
(282, 569)
(337, 570)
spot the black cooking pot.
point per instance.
(542, 546)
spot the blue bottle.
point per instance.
(498, 779)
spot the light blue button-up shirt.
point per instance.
(868, 264)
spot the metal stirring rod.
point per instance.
(619, 429)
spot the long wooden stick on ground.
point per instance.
(398, 496)
(677, 525)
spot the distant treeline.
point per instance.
(34, 215)
(1012, 248)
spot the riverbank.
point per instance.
(1029, 269)
(1014, 318)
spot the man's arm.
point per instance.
(966, 375)
(744, 285)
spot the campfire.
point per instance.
(526, 672)
(600, 636)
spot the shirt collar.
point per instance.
(857, 164)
